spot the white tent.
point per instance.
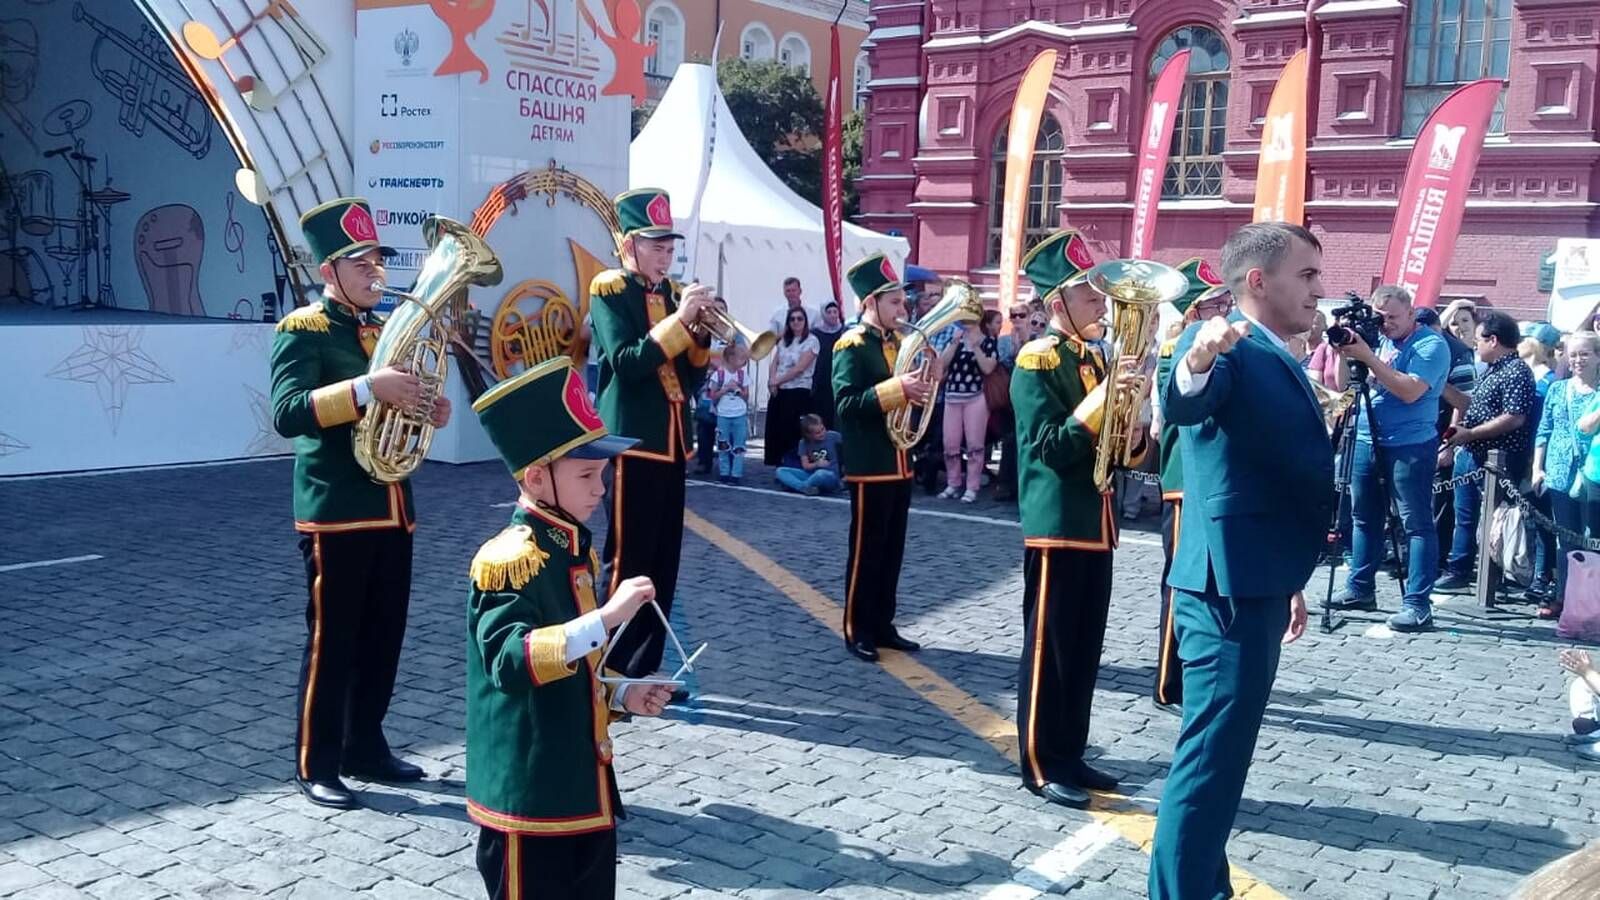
(753, 230)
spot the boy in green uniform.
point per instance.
(652, 363)
(865, 390)
(1058, 392)
(1207, 298)
(539, 777)
(355, 532)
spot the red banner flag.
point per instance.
(1154, 148)
(833, 166)
(1281, 172)
(1434, 197)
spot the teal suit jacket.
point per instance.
(1257, 473)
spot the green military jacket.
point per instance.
(538, 752)
(651, 364)
(1058, 415)
(865, 389)
(1171, 459)
(317, 354)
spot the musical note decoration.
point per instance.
(311, 50)
(233, 234)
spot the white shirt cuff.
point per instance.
(1189, 384)
(585, 634)
(363, 390)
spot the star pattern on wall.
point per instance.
(253, 338)
(110, 359)
(267, 440)
(9, 445)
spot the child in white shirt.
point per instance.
(730, 394)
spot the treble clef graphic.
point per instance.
(233, 235)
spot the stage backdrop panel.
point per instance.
(458, 101)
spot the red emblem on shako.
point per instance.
(1208, 274)
(357, 223)
(577, 397)
(660, 211)
(886, 268)
(1078, 253)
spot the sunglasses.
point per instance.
(1023, 315)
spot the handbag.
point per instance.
(1580, 604)
(1508, 543)
(997, 389)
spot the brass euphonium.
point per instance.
(391, 442)
(1136, 289)
(959, 303)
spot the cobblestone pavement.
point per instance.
(146, 720)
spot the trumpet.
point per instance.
(721, 326)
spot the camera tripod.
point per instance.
(1344, 440)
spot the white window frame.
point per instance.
(794, 44)
(862, 74)
(659, 63)
(747, 52)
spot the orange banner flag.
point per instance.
(1281, 174)
(1026, 111)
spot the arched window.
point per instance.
(1044, 186)
(794, 52)
(1451, 43)
(1201, 130)
(755, 42)
(663, 27)
(863, 75)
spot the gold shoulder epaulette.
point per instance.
(609, 283)
(306, 318)
(509, 559)
(853, 337)
(1168, 346)
(1039, 354)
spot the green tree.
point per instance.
(780, 114)
(854, 129)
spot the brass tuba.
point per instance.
(1136, 289)
(390, 442)
(959, 303)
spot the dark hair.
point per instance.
(789, 336)
(1260, 245)
(990, 316)
(791, 280)
(1502, 328)
(829, 305)
(810, 420)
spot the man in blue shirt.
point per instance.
(1408, 374)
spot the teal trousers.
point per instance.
(1229, 647)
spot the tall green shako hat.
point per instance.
(545, 414)
(1059, 261)
(340, 228)
(1204, 283)
(646, 212)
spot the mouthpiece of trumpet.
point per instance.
(377, 286)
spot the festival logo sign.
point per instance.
(1281, 173)
(463, 18)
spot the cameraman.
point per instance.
(1408, 373)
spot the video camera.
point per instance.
(1356, 317)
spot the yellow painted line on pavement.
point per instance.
(1111, 809)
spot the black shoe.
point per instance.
(1063, 794)
(1171, 709)
(680, 696)
(1094, 779)
(896, 642)
(329, 792)
(1350, 601)
(390, 769)
(1453, 581)
(863, 650)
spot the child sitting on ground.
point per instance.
(819, 460)
(1584, 697)
(730, 393)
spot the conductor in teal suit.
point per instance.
(1252, 435)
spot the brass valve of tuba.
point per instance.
(959, 303)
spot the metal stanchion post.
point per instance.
(1488, 566)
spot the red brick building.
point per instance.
(943, 74)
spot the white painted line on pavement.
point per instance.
(131, 470)
(915, 511)
(1056, 864)
(41, 563)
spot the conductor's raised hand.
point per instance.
(1216, 337)
(626, 600)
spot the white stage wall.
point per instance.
(108, 396)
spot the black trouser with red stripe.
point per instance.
(359, 584)
(878, 513)
(1067, 594)
(548, 867)
(644, 536)
(1169, 669)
